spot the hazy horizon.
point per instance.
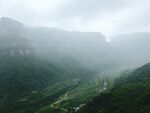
(109, 17)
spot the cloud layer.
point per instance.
(110, 17)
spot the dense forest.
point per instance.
(130, 94)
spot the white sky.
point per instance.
(110, 17)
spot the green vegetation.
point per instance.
(45, 70)
(129, 95)
(78, 94)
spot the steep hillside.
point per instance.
(24, 75)
(49, 70)
(33, 74)
(129, 96)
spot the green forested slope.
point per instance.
(27, 81)
(132, 95)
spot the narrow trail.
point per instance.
(55, 105)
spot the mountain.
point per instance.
(48, 70)
(37, 68)
(90, 48)
(129, 95)
(21, 71)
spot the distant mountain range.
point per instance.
(39, 65)
(89, 48)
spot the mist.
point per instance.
(74, 56)
(110, 17)
(90, 49)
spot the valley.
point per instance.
(48, 70)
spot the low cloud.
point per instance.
(111, 17)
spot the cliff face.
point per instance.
(13, 41)
(8, 26)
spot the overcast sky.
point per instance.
(109, 17)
